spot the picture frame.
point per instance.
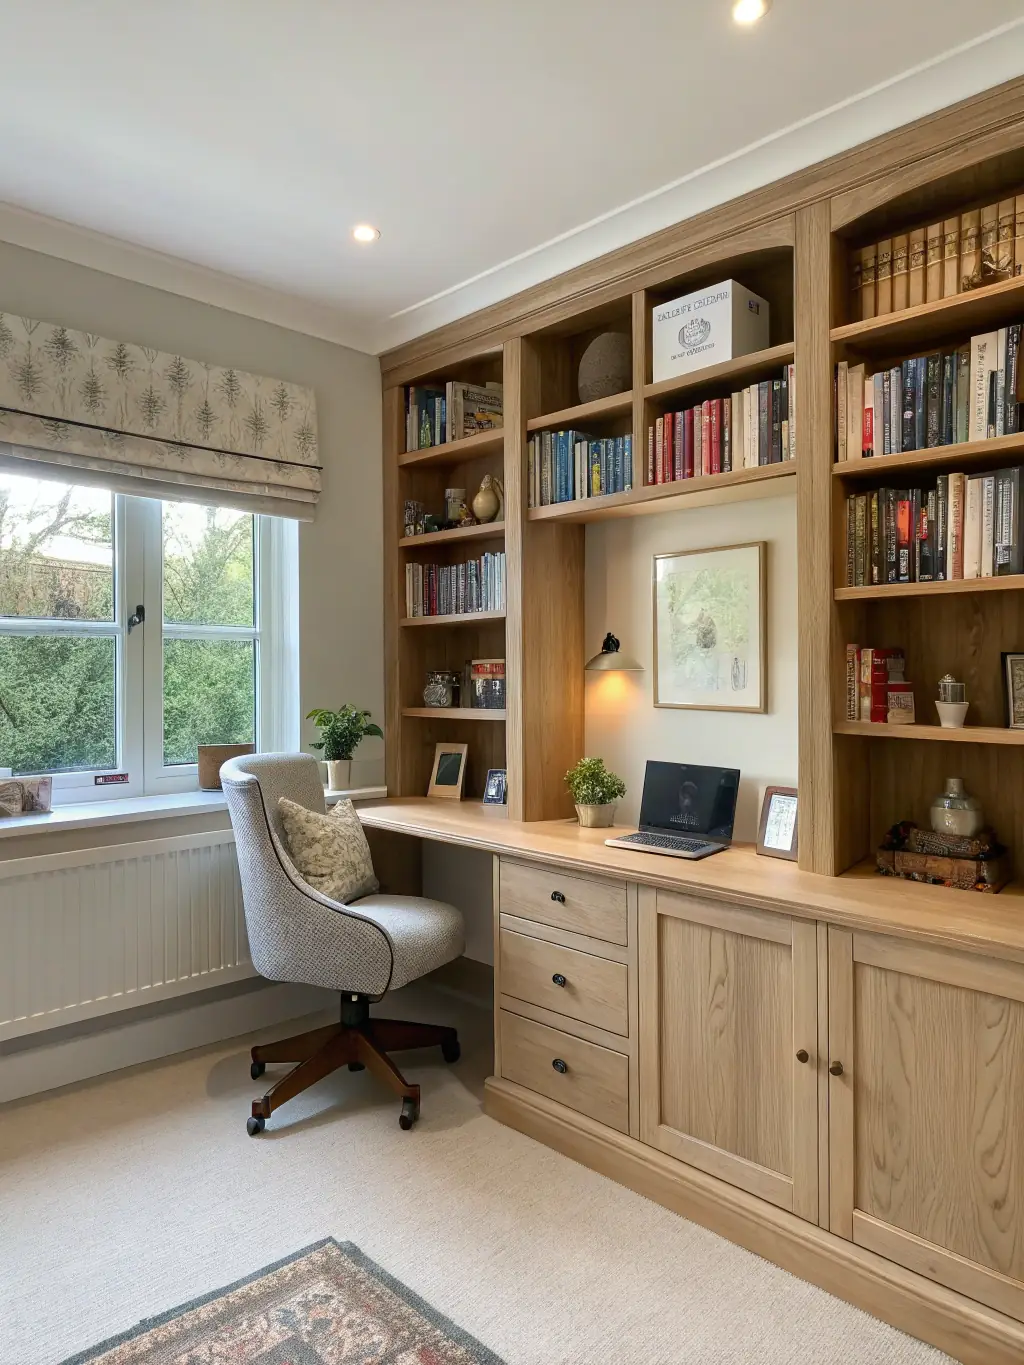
(777, 830)
(448, 774)
(496, 787)
(1013, 686)
(710, 628)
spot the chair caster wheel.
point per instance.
(257, 1069)
(356, 1066)
(450, 1049)
(410, 1113)
(255, 1126)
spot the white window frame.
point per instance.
(138, 578)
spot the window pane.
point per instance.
(208, 565)
(56, 550)
(57, 709)
(209, 695)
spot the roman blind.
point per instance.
(154, 423)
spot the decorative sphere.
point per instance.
(606, 366)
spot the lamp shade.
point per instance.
(611, 660)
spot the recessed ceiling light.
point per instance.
(363, 232)
(749, 11)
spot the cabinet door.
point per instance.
(728, 1033)
(926, 1111)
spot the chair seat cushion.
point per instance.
(425, 933)
(329, 851)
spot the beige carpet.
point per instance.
(123, 1197)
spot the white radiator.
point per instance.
(90, 933)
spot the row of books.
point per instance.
(965, 251)
(967, 526)
(565, 465)
(876, 689)
(456, 589)
(753, 427)
(970, 394)
(435, 414)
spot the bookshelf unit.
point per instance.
(790, 243)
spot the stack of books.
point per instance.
(456, 589)
(753, 427)
(566, 465)
(435, 414)
(967, 250)
(486, 688)
(969, 394)
(876, 689)
(966, 526)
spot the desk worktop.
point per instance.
(860, 899)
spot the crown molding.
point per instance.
(956, 75)
(141, 265)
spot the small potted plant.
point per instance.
(340, 732)
(595, 791)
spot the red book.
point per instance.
(705, 436)
(650, 454)
(688, 444)
(716, 436)
(677, 445)
(726, 435)
(667, 458)
(659, 450)
(869, 431)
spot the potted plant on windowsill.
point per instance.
(340, 732)
(595, 791)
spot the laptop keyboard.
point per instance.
(676, 842)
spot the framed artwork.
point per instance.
(449, 771)
(495, 787)
(776, 834)
(710, 629)
(1013, 676)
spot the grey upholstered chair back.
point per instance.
(295, 933)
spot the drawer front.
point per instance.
(583, 905)
(595, 1081)
(592, 988)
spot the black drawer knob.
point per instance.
(558, 979)
(560, 1066)
(803, 1055)
(836, 1069)
(557, 896)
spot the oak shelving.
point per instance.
(706, 491)
(966, 454)
(488, 530)
(469, 618)
(942, 588)
(454, 712)
(990, 307)
(738, 373)
(455, 452)
(576, 417)
(968, 734)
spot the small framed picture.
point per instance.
(495, 787)
(776, 835)
(1013, 677)
(449, 771)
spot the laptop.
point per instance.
(687, 811)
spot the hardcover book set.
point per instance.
(456, 589)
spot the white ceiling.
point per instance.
(246, 137)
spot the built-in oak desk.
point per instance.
(829, 1071)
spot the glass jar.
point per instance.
(955, 811)
(441, 689)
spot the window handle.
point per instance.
(137, 618)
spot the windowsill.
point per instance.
(90, 814)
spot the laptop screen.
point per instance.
(684, 798)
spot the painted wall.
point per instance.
(622, 724)
(340, 553)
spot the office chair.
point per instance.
(362, 950)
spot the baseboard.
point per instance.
(146, 1035)
(966, 1330)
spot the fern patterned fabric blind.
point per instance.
(157, 420)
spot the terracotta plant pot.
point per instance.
(596, 817)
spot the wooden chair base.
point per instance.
(364, 1044)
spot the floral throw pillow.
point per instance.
(330, 851)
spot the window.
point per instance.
(85, 688)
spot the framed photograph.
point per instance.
(709, 629)
(449, 771)
(495, 787)
(776, 834)
(1013, 677)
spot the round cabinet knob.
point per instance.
(558, 896)
(803, 1055)
(560, 1066)
(836, 1069)
(558, 979)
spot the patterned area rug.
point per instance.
(326, 1305)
